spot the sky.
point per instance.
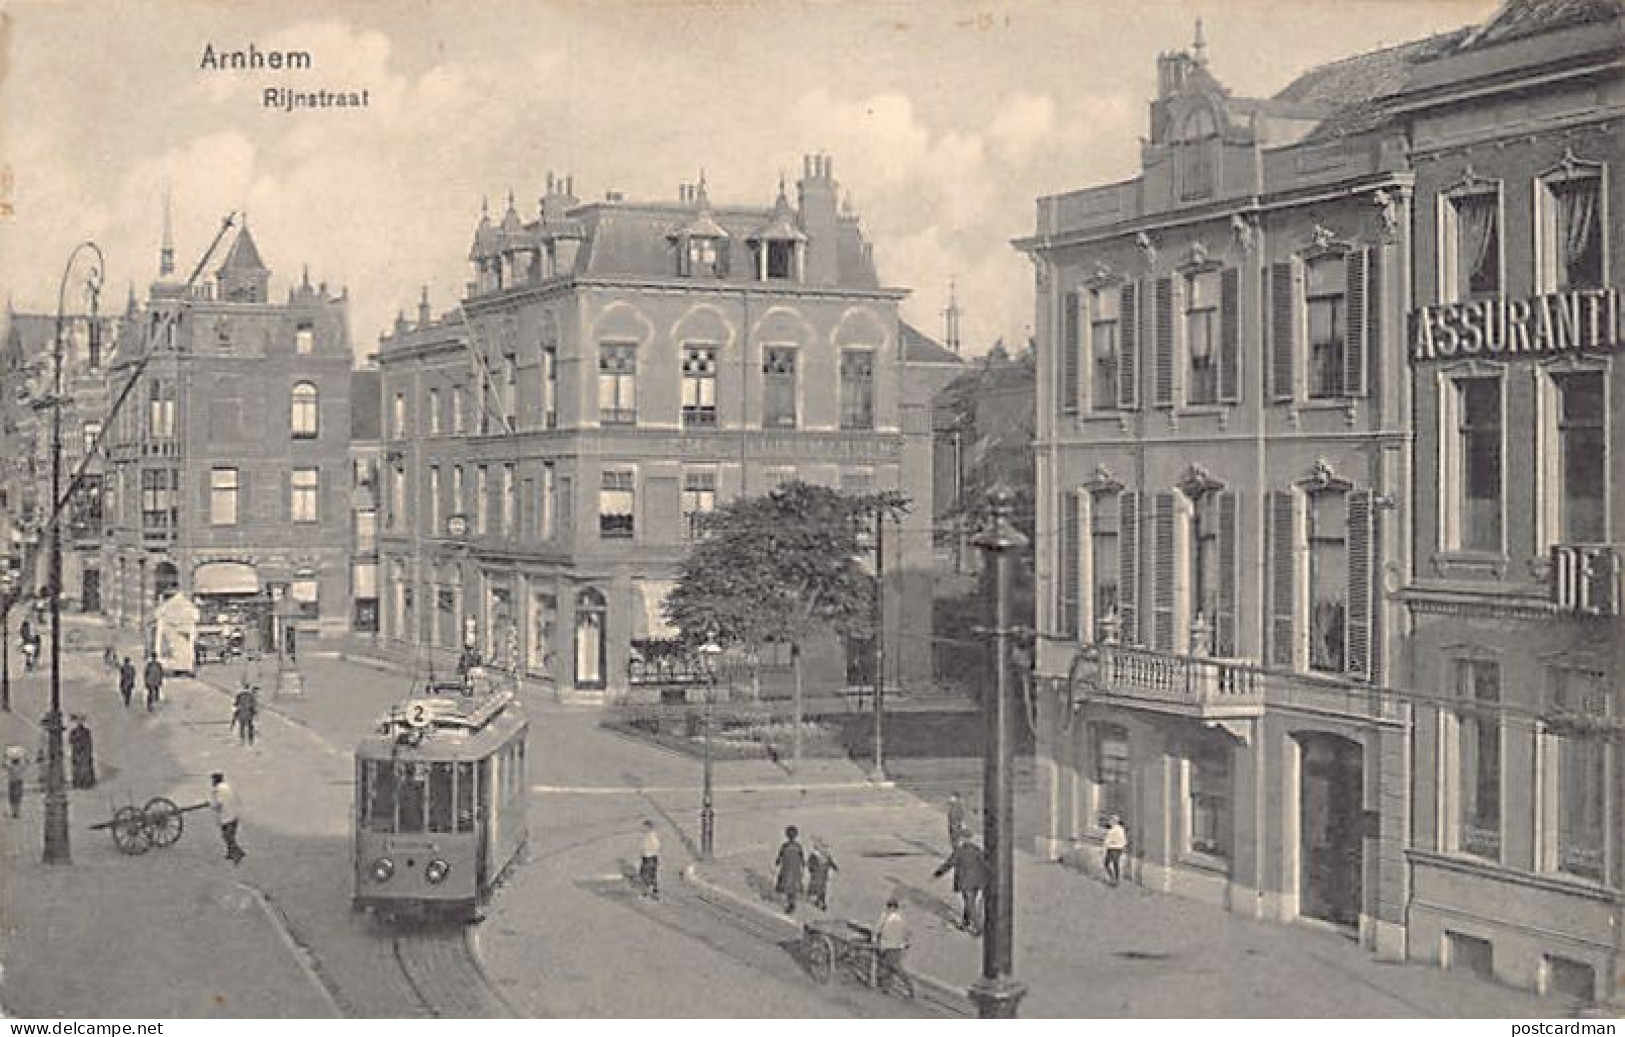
(945, 121)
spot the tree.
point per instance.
(779, 568)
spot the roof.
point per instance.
(1347, 94)
(920, 348)
(244, 255)
(1519, 18)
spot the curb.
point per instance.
(301, 954)
(940, 991)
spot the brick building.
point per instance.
(614, 369)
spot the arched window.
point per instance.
(303, 411)
(591, 616)
(1193, 151)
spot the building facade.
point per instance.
(614, 370)
(229, 467)
(1221, 470)
(1517, 652)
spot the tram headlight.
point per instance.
(382, 869)
(437, 871)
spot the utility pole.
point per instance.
(997, 994)
(880, 645)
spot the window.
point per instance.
(780, 265)
(1206, 572)
(510, 390)
(1328, 579)
(159, 487)
(304, 494)
(304, 411)
(510, 503)
(617, 384)
(857, 389)
(548, 506)
(544, 613)
(1579, 774)
(779, 387)
(1474, 516)
(366, 531)
(1478, 771)
(1104, 560)
(91, 431)
(459, 406)
(550, 387)
(160, 409)
(1582, 449)
(304, 339)
(1571, 231)
(1470, 261)
(1209, 798)
(434, 412)
(223, 489)
(1202, 337)
(592, 612)
(617, 504)
(1113, 776)
(1325, 293)
(305, 591)
(397, 495)
(1193, 155)
(774, 476)
(699, 386)
(398, 417)
(457, 507)
(1104, 347)
(706, 257)
(699, 497)
(435, 526)
(482, 500)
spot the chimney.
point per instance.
(818, 199)
(423, 308)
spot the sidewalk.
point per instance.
(174, 933)
(1085, 949)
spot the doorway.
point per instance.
(90, 592)
(1331, 826)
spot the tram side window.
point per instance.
(440, 797)
(381, 804)
(465, 797)
(414, 780)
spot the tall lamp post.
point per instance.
(708, 815)
(57, 850)
(996, 993)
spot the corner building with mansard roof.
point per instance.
(615, 369)
(1222, 465)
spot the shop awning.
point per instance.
(225, 578)
(648, 616)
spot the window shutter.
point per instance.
(1283, 345)
(1163, 329)
(1358, 302)
(1128, 567)
(1283, 540)
(1357, 630)
(1068, 568)
(1162, 570)
(1070, 349)
(1224, 615)
(1128, 337)
(1229, 334)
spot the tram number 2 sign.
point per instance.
(419, 714)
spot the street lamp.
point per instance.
(708, 815)
(996, 993)
(57, 850)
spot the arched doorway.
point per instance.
(166, 579)
(591, 619)
(1331, 828)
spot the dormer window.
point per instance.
(1194, 155)
(780, 260)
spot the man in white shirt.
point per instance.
(892, 938)
(649, 864)
(1115, 843)
(223, 801)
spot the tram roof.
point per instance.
(453, 725)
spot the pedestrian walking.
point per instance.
(153, 675)
(649, 861)
(31, 649)
(109, 659)
(791, 861)
(126, 681)
(1115, 843)
(969, 866)
(223, 801)
(82, 754)
(820, 862)
(957, 829)
(244, 709)
(892, 939)
(16, 771)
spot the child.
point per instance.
(820, 862)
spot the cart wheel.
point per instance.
(164, 820)
(130, 832)
(820, 951)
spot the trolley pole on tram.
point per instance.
(997, 994)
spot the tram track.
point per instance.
(443, 973)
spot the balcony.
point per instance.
(1209, 689)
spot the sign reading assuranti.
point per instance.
(1583, 320)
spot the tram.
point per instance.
(440, 801)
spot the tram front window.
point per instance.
(381, 802)
(414, 781)
(440, 797)
(465, 797)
